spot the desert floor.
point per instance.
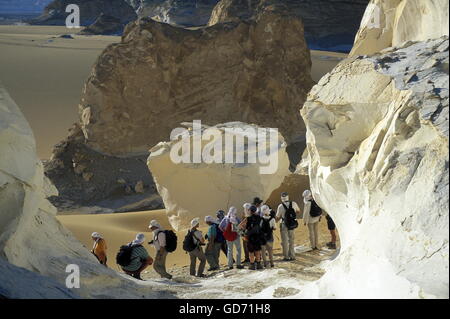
(119, 229)
(45, 75)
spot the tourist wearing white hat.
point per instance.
(197, 252)
(159, 242)
(139, 258)
(214, 245)
(312, 216)
(99, 248)
(287, 212)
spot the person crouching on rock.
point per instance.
(159, 242)
(99, 248)
(255, 239)
(197, 252)
(214, 244)
(139, 258)
(268, 226)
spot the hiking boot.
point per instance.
(246, 261)
(272, 265)
(259, 266)
(201, 276)
(252, 266)
(230, 268)
(286, 259)
(266, 264)
(240, 267)
(332, 246)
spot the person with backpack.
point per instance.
(254, 237)
(220, 217)
(287, 212)
(215, 240)
(160, 243)
(244, 216)
(268, 226)
(99, 248)
(193, 245)
(134, 258)
(229, 227)
(312, 216)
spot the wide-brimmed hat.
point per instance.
(257, 201)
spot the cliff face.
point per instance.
(186, 13)
(160, 76)
(329, 25)
(31, 237)
(378, 163)
(90, 10)
(391, 23)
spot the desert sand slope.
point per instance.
(46, 78)
(45, 75)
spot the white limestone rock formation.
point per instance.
(199, 189)
(391, 23)
(30, 235)
(377, 141)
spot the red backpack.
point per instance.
(229, 234)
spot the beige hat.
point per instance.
(154, 223)
(195, 222)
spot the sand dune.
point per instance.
(119, 229)
(45, 75)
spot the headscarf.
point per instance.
(232, 212)
(195, 222)
(247, 209)
(140, 238)
(307, 196)
(96, 235)
(265, 211)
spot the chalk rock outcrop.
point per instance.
(30, 235)
(160, 76)
(187, 13)
(104, 25)
(391, 23)
(193, 187)
(55, 12)
(329, 24)
(379, 164)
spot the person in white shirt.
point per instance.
(159, 243)
(310, 221)
(269, 225)
(287, 235)
(197, 253)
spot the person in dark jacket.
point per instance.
(254, 238)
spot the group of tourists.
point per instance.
(249, 232)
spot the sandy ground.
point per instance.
(45, 74)
(119, 229)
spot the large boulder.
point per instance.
(30, 235)
(390, 23)
(329, 24)
(379, 164)
(55, 12)
(159, 76)
(197, 188)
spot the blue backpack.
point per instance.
(219, 235)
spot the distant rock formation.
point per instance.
(31, 236)
(22, 6)
(192, 190)
(391, 23)
(160, 76)
(378, 163)
(329, 24)
(90, 10)
(187, 13)
(104, 25)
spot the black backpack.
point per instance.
(266, 229)
(123, 257)
(188, 243)
(290, 217)
(315, 211)
(254, 223)
(171, 240)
